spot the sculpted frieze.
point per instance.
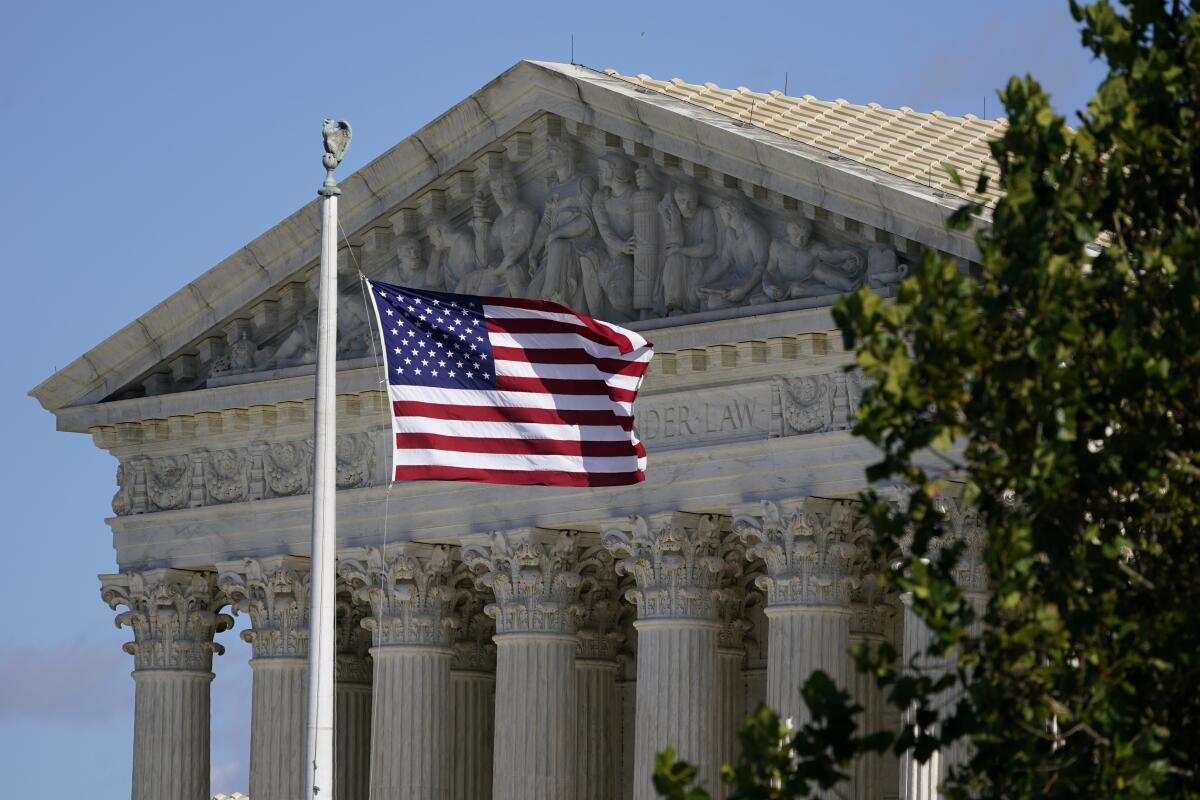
(258, 471)
(621, 237)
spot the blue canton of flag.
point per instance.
(434, 338)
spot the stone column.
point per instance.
(810, 566)
(598, 739)
(534, 577)
(410, 623)
(274, 591)
(731, 655)
(962, 524)
(919, 781)
(755, 671)
(472, 693)
(173, 614)
(352, 698)
(677, 572)
(871, 621)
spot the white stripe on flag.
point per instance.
(512, 430)
(452, 458)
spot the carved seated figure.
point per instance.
(453, 258)
(736, 275)
(798, 268)
(502, 244)
(566, 230)
(409, 269)
(608, 271)
(691, 239)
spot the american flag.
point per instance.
(507, 390)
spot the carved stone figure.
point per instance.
(608, 272)
(799, 268)
(409, 269)
(735, 277)
(241, 354)
(502, 245)
(299, 346)
(690, 236)
(883, 268)
(566, 230)
(453, 256)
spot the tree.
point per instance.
(1066, 372)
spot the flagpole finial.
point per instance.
(337, 141)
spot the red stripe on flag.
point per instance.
(569, 355)
(546, 416)
(508, 383)
(519, 447)
(609, 336)
(516, 325)
(514, 477)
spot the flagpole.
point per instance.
(318, 777)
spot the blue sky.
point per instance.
(150, 140)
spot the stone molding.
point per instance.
(274, 591)
(811, 554)
(174, 615)
(673, 559)
(407, 588)
(534, 575)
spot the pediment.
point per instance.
(553, 181)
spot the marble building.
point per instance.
(531, 642)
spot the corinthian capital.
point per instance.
(811, 554)
(173, 614)
(600, 598)
(535, 577)
(675, 563)
(407, 589)
(473, 647)
(964, 524)
(274, 591)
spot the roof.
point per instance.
(760, 160)
(900, 141)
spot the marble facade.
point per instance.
(518, 642)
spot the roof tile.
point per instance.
(900, 141)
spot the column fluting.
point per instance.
(274, 591)
(410, 622)
(534, 576)
(677, 572)
(173, 615)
